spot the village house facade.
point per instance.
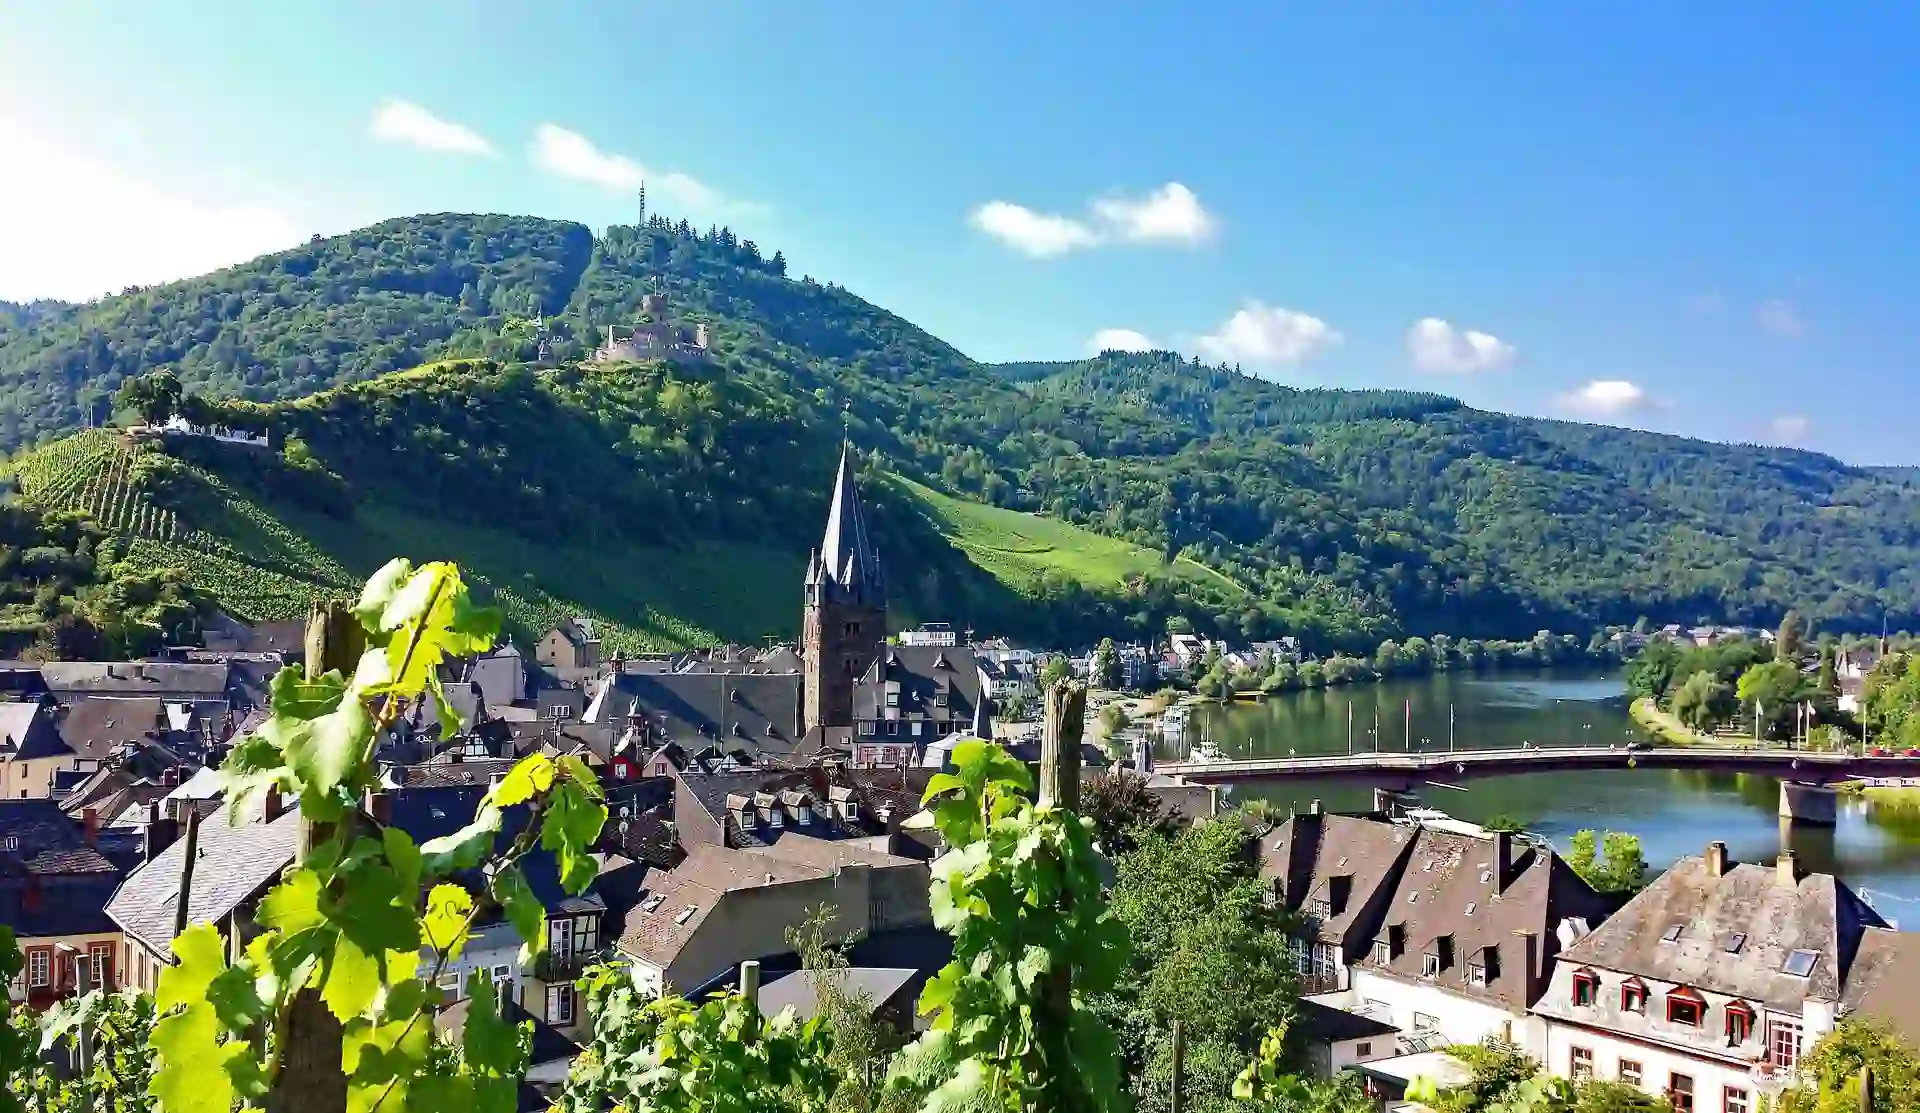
(1443, 930)
(54, 884)
(1710, 985)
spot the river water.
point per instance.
(1675, 812)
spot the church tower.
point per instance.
(846, 607)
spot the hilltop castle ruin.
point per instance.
(656, 335)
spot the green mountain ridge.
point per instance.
(1341, 516)
(673, 504)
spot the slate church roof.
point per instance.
(845, 567)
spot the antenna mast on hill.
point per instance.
(643, 204)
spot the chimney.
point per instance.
(1503, 858)
(1784, 872)
(91, 819)
(1716, 859)
(1313, 807)
(769, 879)
(162, 829)
(1530, 973)
(270, 804)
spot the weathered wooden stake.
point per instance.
(750, 981)
(311, 1079)
(1060, 745)
(191, 852)
(1866, 1089)
(1179, 1082)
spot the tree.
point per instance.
(155, 397)
(1703, 702)
(1124, 810)
(1056, 670)
(119, 1069)
(1618, 865)
(1790, 643)
(1209, 950)
(1772, 689)
(1651, 673)
(859, 1042)
(1106, 665)
(1831, 1072)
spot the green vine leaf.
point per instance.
(448, 910)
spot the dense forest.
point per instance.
(1348, 516)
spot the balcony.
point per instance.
(1311, 984)
(550, 967)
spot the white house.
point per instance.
(1709, 986)
(1445, 932)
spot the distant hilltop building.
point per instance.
(657, 335)
(177, 426)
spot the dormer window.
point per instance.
(777, 817)
(1382, 952)
(1633, 996)
(1685, 1008)
(1430, 965)
(1739, 1023)
(851, 810)
(805, 816)
(1320, 909)
(746, 818)
(1586, 988)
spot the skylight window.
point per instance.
(685, 915)
(1735, 942)
(1672, 934)
(1800, 963)
(652, 904)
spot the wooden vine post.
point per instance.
(1866, 1088)
(311, 1079)
(1178, 1083)
(1066, 713)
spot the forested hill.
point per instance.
(1347, 516)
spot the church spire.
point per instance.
(846, 563)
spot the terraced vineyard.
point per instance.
(92, 473)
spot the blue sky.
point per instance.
(1695, 217)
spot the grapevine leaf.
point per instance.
(448, 718)
(201, 955)
(236, 1000)
(448, 909)
(191, 1074)
(294, 905)
(380, 591)
(353, 980)
(324, 752)
(296, 697)
(1035, 964)
(570, 827)
(463, 849)
(966, 1092)
(403, 855)
(524, 910)
(531, 777)
(376, 912)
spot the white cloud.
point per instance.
(1779, 317)
(1609, 398)
(1171, 214)
(1119, 339)
(1034, 234)
(1268, 335)
(1439, 348)
(76, 227)
(1790, 428)
(569, 154)
(399, 121)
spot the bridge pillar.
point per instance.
(1817, 805)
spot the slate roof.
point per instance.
(1326, 1024)
(1450, 889)
(920, 671)
(800, 990)
(234, 864)
(759, 713)
(1305, 854)
(95, 726)
(700, 883)
(442, 773)
(1884, 984)
(577, 630)
(1816, 913)
(27, 731)
(52, 883)
(177, 679)
(845, 568)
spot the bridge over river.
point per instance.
(1806, 778)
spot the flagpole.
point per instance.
(1349, 728)
(1449, 728)
(1406, 743)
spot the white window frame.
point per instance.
(39, 969)
(101, 955)
(560, 1004)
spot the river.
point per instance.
(1675, 812)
